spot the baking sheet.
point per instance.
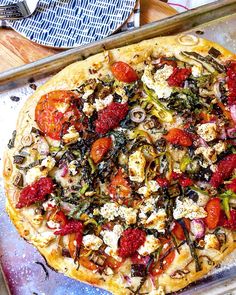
(18, 259)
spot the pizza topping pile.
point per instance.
(138, 165)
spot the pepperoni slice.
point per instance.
(56, 111)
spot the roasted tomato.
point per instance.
(99, 149)
(213, 213)
(112, 262)
(178, 77)
(178, 230)
(57, 217)
(124, 72)
(56, 111)
(178, 136)
(119, 186)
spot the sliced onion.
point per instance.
(67, 206)
(64, 169)
(216, 88)
(156, 61)
(233, 112)
(202, 142)
(197, 227)
(137, 115)
(222, 134)
(231, 132)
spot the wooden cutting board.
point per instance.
(15, 50)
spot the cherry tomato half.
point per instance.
(124, 72)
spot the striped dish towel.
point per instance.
(132, 22)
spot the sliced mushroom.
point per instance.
(17, 179)
(18, 159)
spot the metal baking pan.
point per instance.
(18, 259)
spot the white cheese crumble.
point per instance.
(88, 109)
(151, 244)
(207, 131)
(111, 239)
(72, 166)
(208, 153)
(49, 204)
(71, 136)
(87, 93)
(211, 242)
(197, 70)
(53, 225)
(48, 163)
(92, 242)
(157, 220)
(34, 174)
(137, 163)
(129, 214)
(189, 209)
(62, 107)
(109, 211)
(158, 81)
(100, 104)
(220, 147)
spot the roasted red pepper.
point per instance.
(228, 223)
(110, 117)
(178, 136)
(231, 81)
(232, 185)
(130, 241)
(224, 169)
(178, 77)
(119, 186)
(35, 192)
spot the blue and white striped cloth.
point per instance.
(76, 23)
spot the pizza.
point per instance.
(121, 170)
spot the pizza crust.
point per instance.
(68, 79)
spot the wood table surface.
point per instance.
(16, 50)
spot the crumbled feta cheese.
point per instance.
(151, 244)
(49, 204)
(211, 242)
(153, 186)
(189, 209)
(62, 107)
(137, 163)
(202, 199)
(157, 220)
(48, 163)
(100, 104)
(143, 191)
(129, 214)
(87, 93)
(88, 109)
(197, 70)
(92, 242)
(207, 131)
(71, 136)
(220, 147)
(158, 81)
(72, 166)
(148, 205)
(53, 225)
(111, 239)
(208, 153)
(109, 211)
(34, 174)
(109, 251)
